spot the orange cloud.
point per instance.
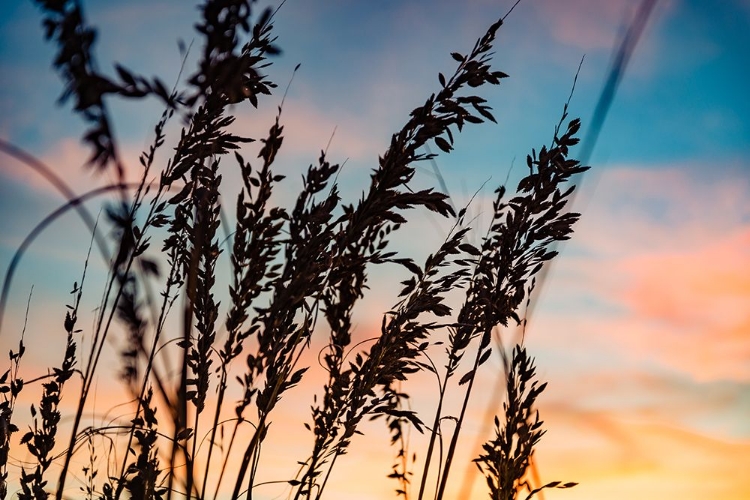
(637, 458)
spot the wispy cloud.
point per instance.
(669, 248)
(621, 458)
(586, 24)
(642, 332)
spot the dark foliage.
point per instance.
(289, 267)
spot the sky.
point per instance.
(642, 325)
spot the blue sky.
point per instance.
(642, 325)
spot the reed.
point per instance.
(295, 272)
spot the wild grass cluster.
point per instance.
(296, 272)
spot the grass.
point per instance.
(296, 272)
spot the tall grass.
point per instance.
(296, 272)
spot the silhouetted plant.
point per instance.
(507, 456)
(288, 268)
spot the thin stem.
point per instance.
(431, 445)
(456, 432)
(214, 427)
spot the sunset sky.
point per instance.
(642, 326)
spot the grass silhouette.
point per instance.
(295, 272)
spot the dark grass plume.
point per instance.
(294, 272)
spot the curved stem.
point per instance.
(73, 203)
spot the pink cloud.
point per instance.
(695, 289)
(586, 24)
(629, 211)
(308, 129)
(668, 250)
(594, 26)
(67, 159)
